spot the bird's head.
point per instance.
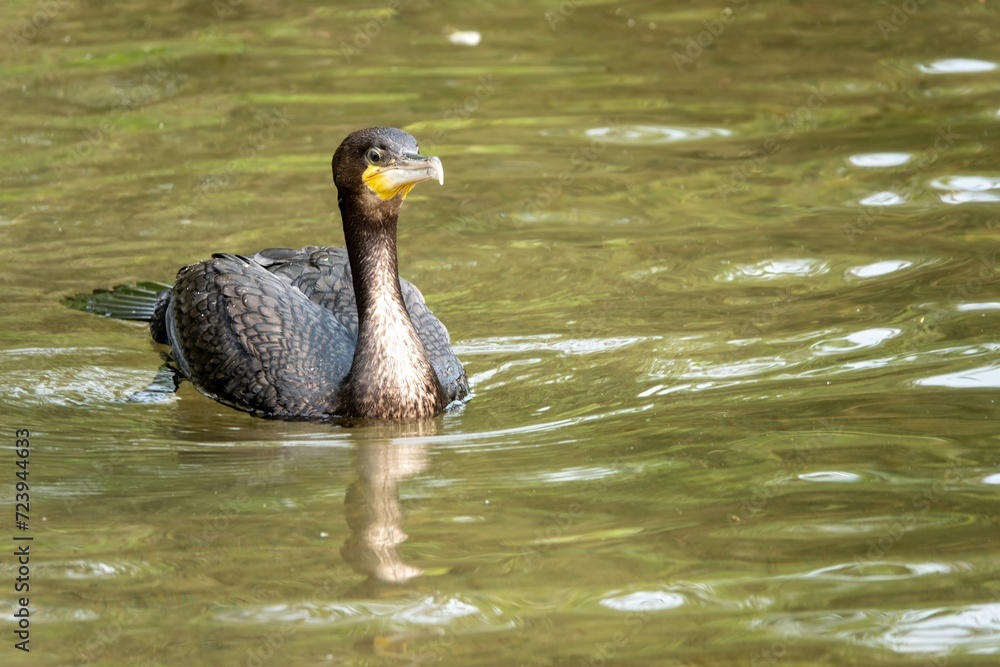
(379, 166)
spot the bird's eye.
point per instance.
(374, 156)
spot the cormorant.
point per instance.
(317, 333)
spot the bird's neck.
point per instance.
(391, 376)
(371, 249)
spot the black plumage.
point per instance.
(316, 333)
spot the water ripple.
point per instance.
(857, 340)
(83, 569)
(546, 343)
(654, 134)
(830, 476)
(986, 305)
(422, 612)
(884, 198)
(972, 629)
(957, 66)
(968, 189)
(575, 474)
(877, 160)
(464, 440)
(771, 269)
(882, 571)
(90, 385)
(880, 268)
(984, 377)
(644, 601)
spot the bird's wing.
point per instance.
(246, 337)
(324, 275)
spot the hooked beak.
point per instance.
(399, 176)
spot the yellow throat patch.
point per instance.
(376, 179)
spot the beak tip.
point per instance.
(438, 169)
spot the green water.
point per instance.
(724, 281)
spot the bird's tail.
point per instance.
(124, 302)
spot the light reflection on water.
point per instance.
(882, 268)
(957, 66)
(646, 135)
(875, 160)
(968, 630)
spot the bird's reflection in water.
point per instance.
(372, 506)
